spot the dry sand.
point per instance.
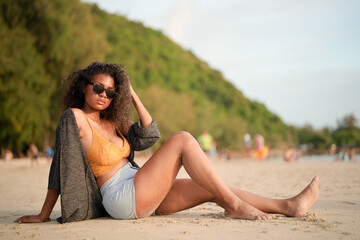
(336, 215)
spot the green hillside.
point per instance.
(42, 41)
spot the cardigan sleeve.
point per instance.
(142, 138)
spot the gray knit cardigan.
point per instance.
(72, 176)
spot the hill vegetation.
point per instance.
(42, 41)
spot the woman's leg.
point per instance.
(186, 193)
(155, 179)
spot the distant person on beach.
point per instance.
(247, 145)
(261, 151)
(332, 149)
(291, 154)
(33, 153)
(259, 142)
(344, 155)
(205, 140)
(213, 151)
(94, 169)
(49, 153)
(8, 155)
(352, 153)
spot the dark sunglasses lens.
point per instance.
(110, 93)
(98, 89)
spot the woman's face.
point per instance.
(98, 101)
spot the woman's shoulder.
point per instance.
(77, 112)
(79, 116)
(72, 111)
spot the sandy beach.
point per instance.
(336, 215)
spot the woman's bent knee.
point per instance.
(183, 135)
(184, 138)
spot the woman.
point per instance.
(99, 96)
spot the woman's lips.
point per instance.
(101, 102)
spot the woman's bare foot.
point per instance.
(246, 211)
(301, 203)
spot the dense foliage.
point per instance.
(42, 41)
(345, 135)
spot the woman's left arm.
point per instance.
(145, 133)
(144, 115)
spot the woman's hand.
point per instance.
(32, 219)
(49, 203)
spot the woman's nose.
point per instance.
(103, 94)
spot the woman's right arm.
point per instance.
(44, 216)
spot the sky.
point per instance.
(301, 59)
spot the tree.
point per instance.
(347, 132)
(25, 90)
(348, 122)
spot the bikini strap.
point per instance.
(88, 121)
(117, 129)
(111, 122)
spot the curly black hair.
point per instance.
(119, 108)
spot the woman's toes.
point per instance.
(262, 217)
(266, 217)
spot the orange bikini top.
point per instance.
(103, 154)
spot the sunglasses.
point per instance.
(98, 89)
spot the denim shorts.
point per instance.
(118, 193)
